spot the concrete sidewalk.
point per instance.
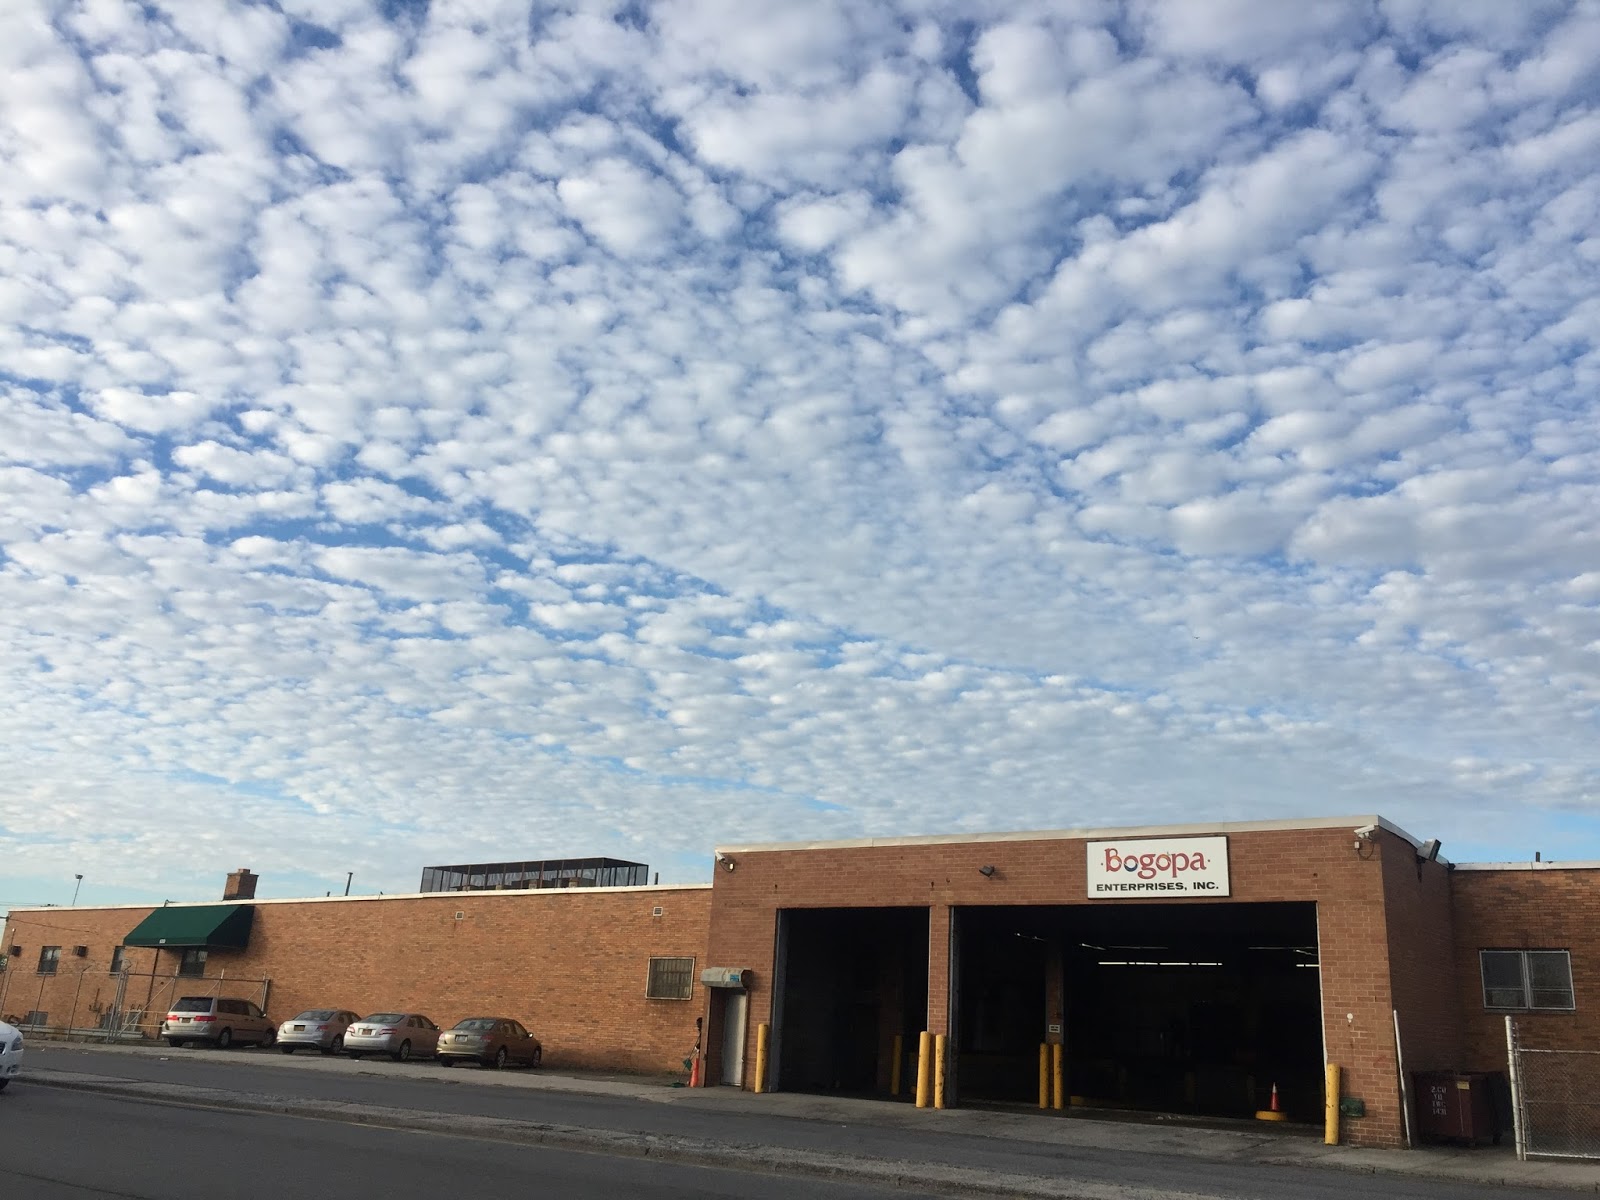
(1236, 1142)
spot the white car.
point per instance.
(10, 1054)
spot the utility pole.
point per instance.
(348, 876)
(75, 888)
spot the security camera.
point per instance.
(1366, 831)
(724, 861)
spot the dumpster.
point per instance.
(1454, 1106)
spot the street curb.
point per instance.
(896, 1173)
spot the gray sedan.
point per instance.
(399, 1035)
(316, 1029)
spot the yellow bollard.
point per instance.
(1330, 1124)
(763, 1040)
(924, 1069)
(894, 1067)
(1058, 1076)
(1044, 1074)
(938, 1070)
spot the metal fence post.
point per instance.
(1518, 1122)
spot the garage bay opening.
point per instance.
(852, 982)
(1179, 1008)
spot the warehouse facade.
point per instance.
(1187, 969)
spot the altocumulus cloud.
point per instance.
(440, 431)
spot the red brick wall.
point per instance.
(569, 964)
(1422, 965)
(1545, 908)
(1320, 865)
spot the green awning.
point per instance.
(208, 925)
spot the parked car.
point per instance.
(316, 1029)
(218, 1020)
(492, 1041)
(10, 1054)
(399, 1035)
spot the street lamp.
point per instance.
(75, 888)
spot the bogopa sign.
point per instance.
(1158, 867)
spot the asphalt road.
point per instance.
(428, 1088)
(62, 1145)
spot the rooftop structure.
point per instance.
(541, 873)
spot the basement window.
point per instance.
(670, 979)
(1527, 980)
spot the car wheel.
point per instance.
(175, 1043)
(336, 1045)
(446, 1061)
(403, 1053)
(270, 1038)
(287, 1049)
(500, 1059)
(224, 1039)
(538, 1056)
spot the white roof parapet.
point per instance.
(1047, 835)
(1529, 866)
(501, 892)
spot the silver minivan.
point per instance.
(218, 1020)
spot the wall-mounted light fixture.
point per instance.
(1429, 850)
(986, 871)
(726, 863)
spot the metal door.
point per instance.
(735, 1008)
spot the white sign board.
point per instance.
(1158, 867)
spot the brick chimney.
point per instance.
(241, 885)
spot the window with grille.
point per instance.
(49, 959)
(193, 961)
(670, 979)
(1527, 980)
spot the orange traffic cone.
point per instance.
(1272, 1112)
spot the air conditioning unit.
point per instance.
(16, 952)
(80, 952)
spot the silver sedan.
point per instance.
(397, 1034)
(316, 1029)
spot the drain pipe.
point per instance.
(1405, 1088)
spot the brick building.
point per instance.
(1181, 969)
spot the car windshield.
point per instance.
(384, 1018)
(476, 1024)
(316, 1014)
(193, 1004)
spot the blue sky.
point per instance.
(454, 431)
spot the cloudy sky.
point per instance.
(461, 430)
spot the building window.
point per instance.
(670, 979)
(117, 962)
(193, 961)
(36, 1018)
(1527, 980)
(49, 959)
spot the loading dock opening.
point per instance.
(1169, 1007)
(851, 980)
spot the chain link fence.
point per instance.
(134, 1006)
(1557, 1106)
